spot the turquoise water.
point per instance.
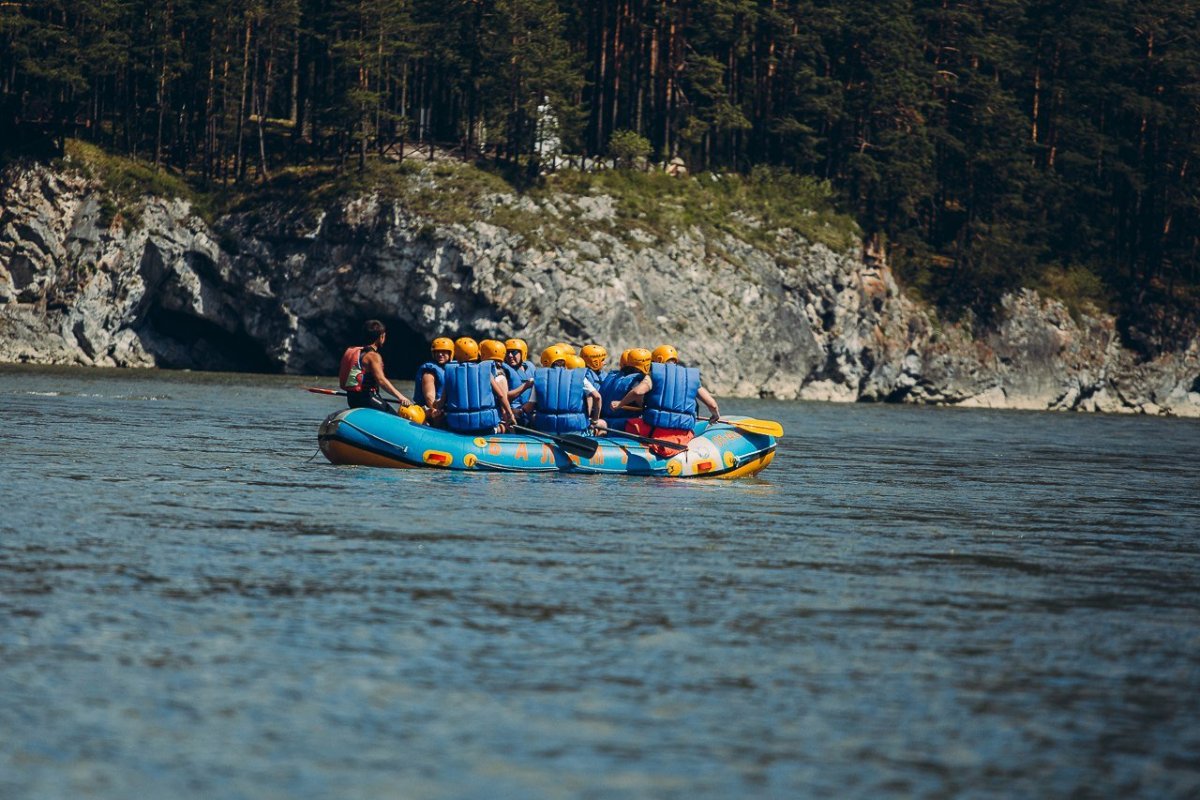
(909, 602)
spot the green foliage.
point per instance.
(987, 142)
(628, 147)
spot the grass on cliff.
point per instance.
(649, 206)
(128, 180)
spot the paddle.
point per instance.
(319, 390)
(765, 427)
(581, 446)
(646, 439)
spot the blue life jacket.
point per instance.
(439, 380)
(615, 387)
(516, 376)
(671, 401)
(595, 377)
(560, 404)
(470, 401)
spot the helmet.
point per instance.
(466, 349)
(664, 353)
(566, 347)
(594, 356)
(413, 413)
(554, 352)
(575, 362)
(518, 344)
(442, 343)
(624, 362)
(491, 349)
(639, 359)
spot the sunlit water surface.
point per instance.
(909, 602)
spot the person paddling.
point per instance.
(563, 400)
(634, 367)
(669, 393)
(475, 400)
(594, 357)
(519, 372)
(361, 373)
(431, 375)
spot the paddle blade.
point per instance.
(765, 427)
(580, 446)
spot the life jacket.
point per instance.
(470, 401)
(595, 377)
(516, 376)
(614, 387)
(671, 401)
(350, 373)
(560, 404)
(439, 380)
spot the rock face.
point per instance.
(277, 290)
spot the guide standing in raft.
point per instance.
(361, 374)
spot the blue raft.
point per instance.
(372, 438)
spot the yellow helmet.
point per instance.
(555, 352)
(575, 362)
(491, 349)
(639, 359)
(570, 350)
(443, 343)
(664, 353)
(466, 349)
(414, 414)
(518, 344)
(624, 362)
(594, 356)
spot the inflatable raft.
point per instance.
(372, 438)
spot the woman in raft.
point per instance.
(668, 394)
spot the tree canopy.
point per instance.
(989, 144)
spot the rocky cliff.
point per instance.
(276, 288)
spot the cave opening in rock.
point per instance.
(182, 341)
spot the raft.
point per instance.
(366, 437)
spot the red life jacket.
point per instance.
(351, 374)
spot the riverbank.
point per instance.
(770, 298)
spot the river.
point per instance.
(909, 602)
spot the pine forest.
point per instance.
(989, 144)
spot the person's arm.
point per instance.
(429, 390)
(500, 389)
(593, 405)
(635, 394)
(374, 365)
(513, 394)
(709, 401)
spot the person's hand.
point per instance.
(615, 404)
(715, 417)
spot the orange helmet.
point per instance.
(553, 353)
(594, 356)
(443, 343)
(491, 350)
(664, 353)
(575, 362)
(639, 359)
(624, 362)
(570, 350)
(414, 414)
(466, 349)
(518, 344)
